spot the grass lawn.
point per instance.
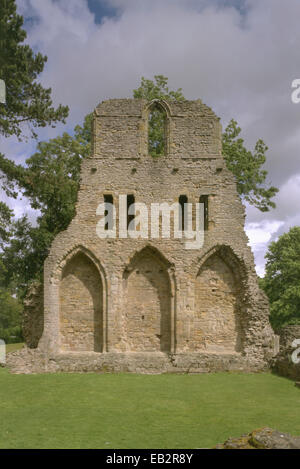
(141, 411)
(13, 347)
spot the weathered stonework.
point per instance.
(151, 305)
(262, 438)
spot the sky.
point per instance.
(239, 57)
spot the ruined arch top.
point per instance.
(120, 129)
(227, 254)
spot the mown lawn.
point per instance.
(13, 347)
(141, 411)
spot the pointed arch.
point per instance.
(148, 321)
(82, 302)
(157, 117)
(219, 285)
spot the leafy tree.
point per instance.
(26, 99)
(10, 317)
(282, 280)
(157, 89)
(5, 222)
(50, 181)
(247, 168)
(27, 102)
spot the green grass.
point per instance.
(141, 411)
(13, 347)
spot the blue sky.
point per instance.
(101, 9)
(239, 57)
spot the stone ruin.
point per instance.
(148, 304)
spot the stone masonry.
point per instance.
(151, 305)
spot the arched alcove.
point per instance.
(216, 324)
(147, 316)
(81, 305)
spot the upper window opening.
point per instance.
(204, 200)
(157, 130)
(108, 201)
(130, 216)
(183, 215)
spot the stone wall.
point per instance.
(216, 325)
(149, 304)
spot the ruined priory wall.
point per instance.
(119, 165)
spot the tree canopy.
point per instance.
(282, 280)
(50, 180)
(26, 100)
(28, 106)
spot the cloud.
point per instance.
(239, 57)
(260, 234)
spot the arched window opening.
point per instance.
(183, 220)
(108, 201)
(157, 130)
(204, 200)
(130, 216)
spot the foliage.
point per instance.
(282, 280)
(26, 100)
(10, 317)
(5, 222)
(157, 89)
(247, 168)
(50, 181)
(28, 106)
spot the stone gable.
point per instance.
(149, 304)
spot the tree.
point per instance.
(5, 222)
(23, 247)
(26, 99)
(10, 317)
(50, 181)
(247, 168)
(282, 280)
(27, 102)
(157, 89)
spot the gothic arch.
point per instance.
(219, 285)
(82, 302)
(163, 108)
(158, 102)
(148, 320)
